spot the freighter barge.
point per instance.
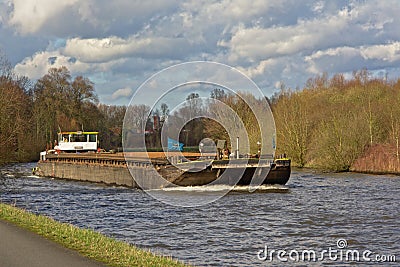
(186, 170)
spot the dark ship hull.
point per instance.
(218, 172)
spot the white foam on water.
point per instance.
(33, 176)
(217, 188)
(264, 187)
(200, 188)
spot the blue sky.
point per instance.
(119, 44)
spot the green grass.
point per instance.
(87, 242)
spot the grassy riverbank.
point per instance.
(87, 242)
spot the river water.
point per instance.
(325, 214)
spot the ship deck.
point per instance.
(156, 158)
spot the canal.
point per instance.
(314, 212)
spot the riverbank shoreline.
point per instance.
(318, 170)
(88, 243)
(378, 159)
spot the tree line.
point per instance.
(327, 124)
(200, 118)
(331, 122)
(31, 114)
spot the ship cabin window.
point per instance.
(92, 138)
(63, 138)
(78, 138)
(283, 162)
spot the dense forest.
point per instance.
(330, 123)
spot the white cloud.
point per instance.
(333, 59)
(318, 7)
(100, 50)
(30, 16)
(38, 65)
(231, 10)
(122, 93)
(342, 59)
(384, 52)
(260, 68)
(346, 38)
(89, 17)
(258, 43)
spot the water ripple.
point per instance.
(312, 212)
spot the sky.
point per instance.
(119, 44)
